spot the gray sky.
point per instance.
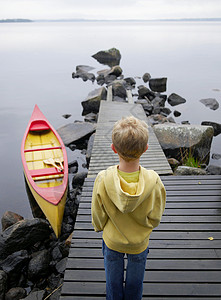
(109, 9)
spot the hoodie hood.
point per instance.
(128, 196)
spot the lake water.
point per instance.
(37, 61)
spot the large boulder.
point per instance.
(181, 140)
(158, 84)
(211, 103)
(118, 88)
(175, 99)
(109, 57)
(14, 262)
(9, 218)
(216, 126)
(185, 170)
(92, 102)
(22, 235)
(76, 132)
(39, 264)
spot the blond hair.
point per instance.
(130, 137)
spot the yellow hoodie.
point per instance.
(127, 212)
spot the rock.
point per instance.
(22, 235)
(73, 166)
(211, 103)
(38, 265)
(91, 117)
(92, 102)
(14, 262)
(144, 92)
(176, 113)
(157, 101)
(157, 119)
(118, 89)
(109, 57)
(35, 295)
(216, 156)
(175, 99)
(100, 79)
(116, 70)
(214, 170)
(109, 79)
(75, 132)
(53, 281)
(184, 170)
(174, 138)
(185, 122)
(166, 111)
(216, 126)
(78, 179)
(61, 265)
(3, 283)
(173, 162)
(82, 72)
(148, 107)
(90, 148)
(9, 218)
(15, 293)
(130, 83)
(146, 77)
(56, 254)
(171, 120)
(158, 84)
(66, 116)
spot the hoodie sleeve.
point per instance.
(99, 216)
(159, 202)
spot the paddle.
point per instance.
(59, 160)
(51, 161)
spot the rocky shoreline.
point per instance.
(32, 259)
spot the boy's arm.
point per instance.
(99, 216)
(159, 203)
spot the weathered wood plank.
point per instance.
(156, 253)
(162, 243)
(150, 276)
(156, 235)
(152, 264)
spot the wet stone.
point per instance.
(10, 218)
(16, 293)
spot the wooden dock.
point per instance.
(102, 155)
(183, 262)
(185, 250)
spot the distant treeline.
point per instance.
(15, 20)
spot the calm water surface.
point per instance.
(37, 60)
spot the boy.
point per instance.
(127, 203)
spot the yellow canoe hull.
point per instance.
(54, 213)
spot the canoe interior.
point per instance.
(40, 140)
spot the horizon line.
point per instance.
(108, 20)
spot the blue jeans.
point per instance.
(114, 270)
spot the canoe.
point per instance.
(45, 165)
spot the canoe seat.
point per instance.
(39, 125)
(42, 149)
(45, 172)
